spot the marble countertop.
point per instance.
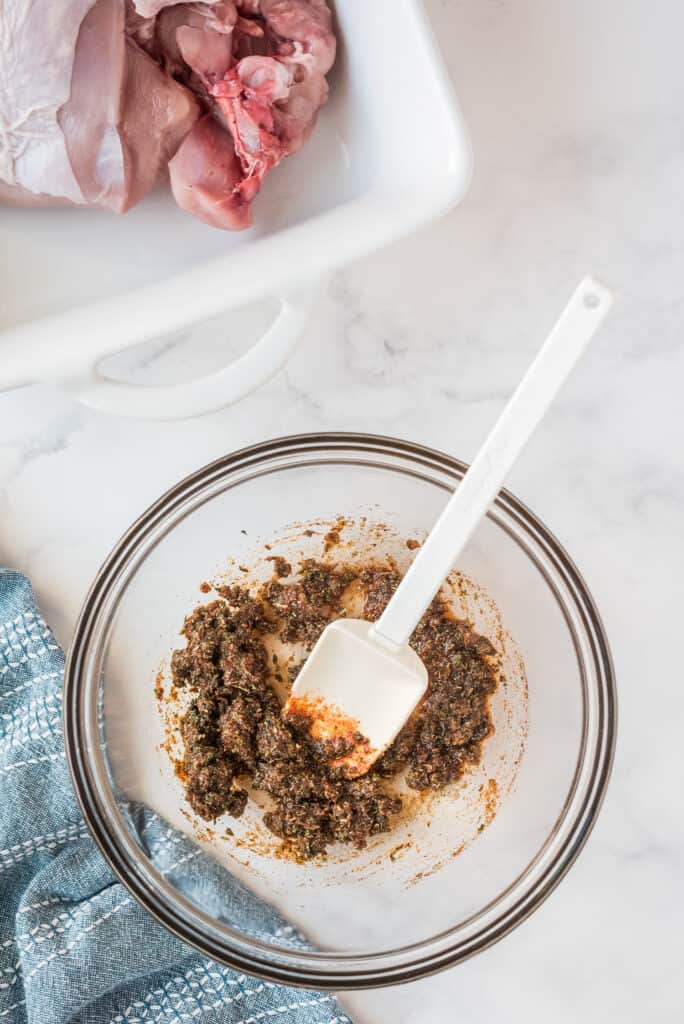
(575, 112)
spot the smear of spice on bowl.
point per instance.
(235, 737)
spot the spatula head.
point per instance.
(354, 694)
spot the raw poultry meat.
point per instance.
(265, 93)
(219, 92)
(95, 123)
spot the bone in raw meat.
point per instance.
(219, 92)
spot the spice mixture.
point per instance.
(234, 735)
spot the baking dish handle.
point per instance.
(215, 390)
(30, 353)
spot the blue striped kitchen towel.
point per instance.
(74, 946)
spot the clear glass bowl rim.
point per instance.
(340, 970)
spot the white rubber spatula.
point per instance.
(362, 681)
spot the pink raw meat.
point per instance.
(266, 95)
(206, 175)
(126, 119)
(218, 91)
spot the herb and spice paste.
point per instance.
(235, 736)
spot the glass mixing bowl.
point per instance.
(474, 863)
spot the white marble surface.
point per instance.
(576, 117)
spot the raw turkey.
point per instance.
(100, 100)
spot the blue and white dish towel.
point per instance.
(74, 946)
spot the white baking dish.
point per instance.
(388, 154)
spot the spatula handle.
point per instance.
(577, 324)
